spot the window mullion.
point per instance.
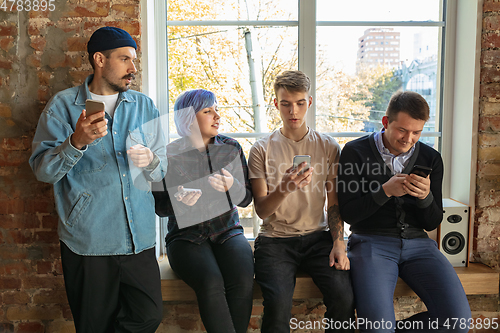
(307, 50)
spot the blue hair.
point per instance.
(187, 105)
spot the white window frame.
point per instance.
(459, 77)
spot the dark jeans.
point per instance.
(277, 260)
(119, 293)
(376, 263)
(221, 276)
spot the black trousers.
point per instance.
(119, 293)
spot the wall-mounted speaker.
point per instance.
(453, 232)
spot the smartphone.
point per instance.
(421, 170)
(185, 191)
(93, 107)
(297, 159)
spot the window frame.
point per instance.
(459, 76)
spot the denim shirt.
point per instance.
(104, 202)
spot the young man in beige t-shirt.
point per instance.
(293, 204)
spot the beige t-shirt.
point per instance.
(303, 211)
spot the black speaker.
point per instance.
(453, 233)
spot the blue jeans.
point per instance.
(277, 261)
(221, 276)
(376, 263)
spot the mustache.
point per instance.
(129, 76)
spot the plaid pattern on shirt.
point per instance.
(214, 216)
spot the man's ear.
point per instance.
(385, 121)
(276, 103)
(310, 101)
(99, 59)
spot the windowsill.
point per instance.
(477, 279)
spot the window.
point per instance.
(336, 30)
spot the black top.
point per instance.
(215, 215)
(363, 203)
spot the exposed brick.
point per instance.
(50, 237)
(489, 139)
(91, 9)
(44, 77)
(6, 43)
(491, 6)
(125, 11)
(34, 60)
(50, 222)
(16, 297)
(43, 94)
(489, 154)
(132, 27)
(488, 215)
(491, 23)
(22, 143)
(58, 267)
(13, 252)
(44, 267)
(62, 326)
(50, 297)
(5, 64)
(10, 282)
(489, 169)
(79, 76)
(70, 61)
(13, 268)
(490, 57)
(39, 205)
(489, 75)
(34, 28)
(22, 312)
(38, 43)
(5, 111)
(77, 44)
(13, 206)
(20, 236)
(27, 221)
(8, 29)
(6, 327)
(490, 40)
(39, 14)
(48, 282)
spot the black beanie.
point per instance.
(108, 38)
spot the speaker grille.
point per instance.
(453, 242)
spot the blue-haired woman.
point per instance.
(207, 178)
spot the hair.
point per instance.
(292, 81)
(409, 102)
(106, 53)
(187, 105)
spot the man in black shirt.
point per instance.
(388, 208)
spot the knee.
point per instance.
(209, 284)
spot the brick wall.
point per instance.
(43, 53)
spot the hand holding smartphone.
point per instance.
(185, 191)
(421, 170)
(93, 107)
(298, 159)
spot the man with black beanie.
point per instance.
(101, 166)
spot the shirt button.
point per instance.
(116, 133)
(126, 198)
(119, 153)
(123, 175)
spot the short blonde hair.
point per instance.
(292, 81)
